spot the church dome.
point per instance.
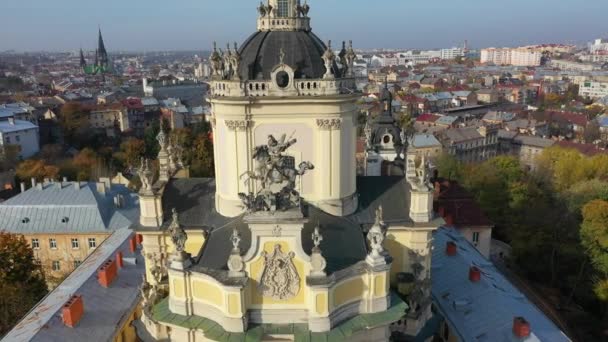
(303, 52)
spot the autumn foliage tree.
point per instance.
(21, 280)
(594, 237)
(37, 169)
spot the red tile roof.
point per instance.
(586, 149)
(427, 118)
(457, 206)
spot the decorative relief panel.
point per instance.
(328, 124)
(240, 125)
(280, 279)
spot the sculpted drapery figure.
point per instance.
(275, 176)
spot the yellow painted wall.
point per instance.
(321, 303)
(349, 291)
(206, 292)
(127, 332)
(64, 253)
(379, 286)
(178, 288)
(256, 268)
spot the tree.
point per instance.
(21, 280)
(74, 121)
(592, 132)
(36, 169)
(449, 167)
(202, 164)
(594, 237)
(133, 150)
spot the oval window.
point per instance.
(386, 139)
(282, 79)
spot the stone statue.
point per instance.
(235, 239)
(162, 137)
(342, 59)
(235, 61)
(422, 178)
(350, 59)
(376, 236)
(276, 177)
(305, 9)
(145, 176)
(216, 61)
(236, 265)
(178, 234)
(282, 56)
(317, 261)
(328, 58)
(227, 56)
(280, 279)
(317, 237)
(262, 9)
(368, 133)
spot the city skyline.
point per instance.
(194, 25)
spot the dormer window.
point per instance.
(25, 220)
(65, 220)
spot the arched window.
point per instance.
(283, 8)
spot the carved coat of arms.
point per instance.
(280, 279)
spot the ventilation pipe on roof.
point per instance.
(33, 182)
(451, 249)
(521, 327)
(22, 187)
(474, 274)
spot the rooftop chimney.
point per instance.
(451, 249)
(474, 274)
(33, 182)
(521, 327)
(11, 121)
(22, 187)
(107, 273)
(101, 188)
(72, 311)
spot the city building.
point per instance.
(426, 145)
(593, 89)
(525, 147)
(573, 66)
(470, 144)
(110, 119)
(99, 301)
(453, 53)
(598, 45)
(65, 221)
(461, 212)
(22, 134)
(522, 56)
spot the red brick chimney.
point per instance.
(140, 239)
(451, 249)
(72, 311)
(107, 273)
(521, 327)
(119, 262)
(474, 274)
(133, 244)
(449, 220)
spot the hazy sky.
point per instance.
(194, 24)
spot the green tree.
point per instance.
(202, 164)
(133, 149)
(21, 280)
(74, 121)
(594, 237)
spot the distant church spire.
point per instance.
(101, 51)
(83, 62)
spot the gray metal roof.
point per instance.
(105, 309)
(68, 207)
(482, 311)
(343, 244)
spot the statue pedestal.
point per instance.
(180, 261)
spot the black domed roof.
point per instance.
(303, 52)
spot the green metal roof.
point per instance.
(214, 331)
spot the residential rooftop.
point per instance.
(481, 311)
